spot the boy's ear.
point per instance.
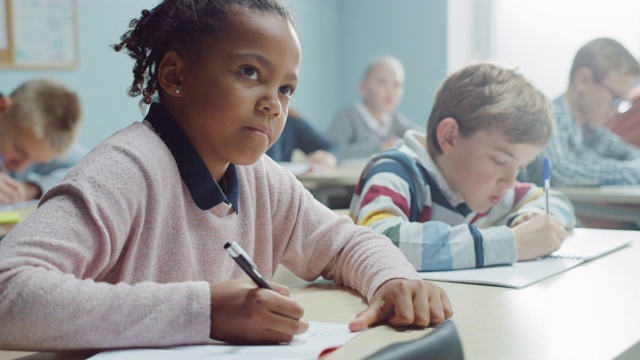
(583, 78)
(447, 134)
(5, 104)
(170, 72)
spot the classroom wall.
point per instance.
(415, 31)
(102, 76)
(550, 49)
(338, 38)
(541, 43)
(319, 28)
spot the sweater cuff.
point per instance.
(501, 248)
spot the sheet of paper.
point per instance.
(589, 248)
(517, 276)
(20, 205)
(309, 345)
(577, 249)
(296, 168)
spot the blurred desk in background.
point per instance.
(619, 203)
(334, 187)
(23, 209)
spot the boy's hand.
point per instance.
(11, 191)
(403, 303)
(540, 236)
(389, 142)
(522, 218)
(324, 158)
(242, 313)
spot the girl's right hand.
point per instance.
(242, 313)
(539, 236)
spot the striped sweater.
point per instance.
(403, 195)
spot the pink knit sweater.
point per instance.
(119, 255)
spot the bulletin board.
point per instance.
(38, 34)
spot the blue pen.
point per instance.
(546, 181)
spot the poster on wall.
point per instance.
(41, 33)
(4, 27)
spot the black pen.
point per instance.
(245, 262)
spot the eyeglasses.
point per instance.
(617, 102)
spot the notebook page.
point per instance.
(309, 345)
(515, 276)
(589, 248)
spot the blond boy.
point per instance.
(449, 199)
(39, 123)
(373, 123)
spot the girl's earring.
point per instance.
(177, 91)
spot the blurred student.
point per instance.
(582, 151)
(143, 262)
(449, 198)
(39, 124)
(627, 124)
(373, 123)
(299, 134)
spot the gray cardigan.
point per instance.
(350, 133)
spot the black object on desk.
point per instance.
(442, 343)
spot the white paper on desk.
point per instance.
(20, 205)
(589, 247)
(516, 276)
(578, 248)
(310, 345)
(296, 168)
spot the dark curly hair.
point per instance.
(179, 25)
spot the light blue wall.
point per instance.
(414, 31)
(338, 38)
(321, 71)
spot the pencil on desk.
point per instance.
(546, 182)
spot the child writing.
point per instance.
(128, 251)
(298, 134)
(39, 123)
(373, 123)
(449, 198)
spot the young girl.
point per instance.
(129, 250)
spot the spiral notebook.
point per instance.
(578, 248)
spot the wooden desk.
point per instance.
(24, 212)
(621, 203)
(588, 312)
(336, 182)
(322, 301)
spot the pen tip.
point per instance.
(227, 245)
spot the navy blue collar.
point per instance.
(204, 189)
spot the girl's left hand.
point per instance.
(405, 302)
